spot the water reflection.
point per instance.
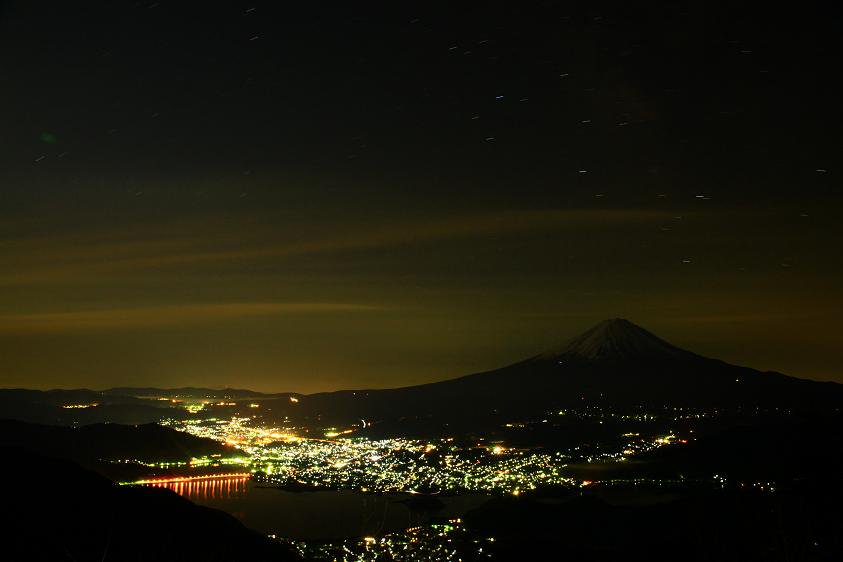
(318, 515)
(211, 489)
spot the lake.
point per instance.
(317, 515)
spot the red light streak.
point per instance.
(215, 486)
(176, 479)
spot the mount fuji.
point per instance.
(614, 364)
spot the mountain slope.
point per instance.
(614, 364)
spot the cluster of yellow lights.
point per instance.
(284, 436)
(80, 406)
(423, 542)
(332, 434)
(333, 460)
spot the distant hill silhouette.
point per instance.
(96, 446)
(150, 442)
(183, 392)
(49, 407)
(60, 511)
(615, 364)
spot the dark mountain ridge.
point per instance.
(81, 406)
(119, 452)
(191, 392)
(149, 442)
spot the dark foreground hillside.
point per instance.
(801, 523)
(768, 493)
(60, 511)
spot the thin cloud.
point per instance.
(46, 260)
(410, 232)
(168, 315)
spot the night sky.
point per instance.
(342, 194)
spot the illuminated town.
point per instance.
(339, 461)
